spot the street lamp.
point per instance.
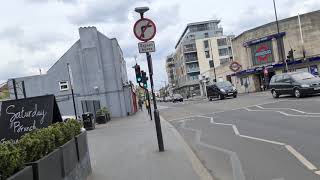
(280, 52)
(141, 10)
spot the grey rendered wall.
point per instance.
(112, 75)
(98, 71)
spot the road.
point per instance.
(252, 137)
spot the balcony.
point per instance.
(189, 50)
(193, 70)
(191, 60)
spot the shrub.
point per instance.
(11, 159)
(103, 111)
(35, 145)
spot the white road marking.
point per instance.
(281, 112)
(263, 140)
(294, 152)
(235, 129)
(296, 110)
(302, 159)
(235, 162)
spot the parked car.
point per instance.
(176, 98)
(221, 90)
(167, 99)
(298, 84)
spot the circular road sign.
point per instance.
(144, 29)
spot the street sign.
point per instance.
(24, 115)
(146, 47)
(144, 29)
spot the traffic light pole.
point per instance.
(156, 112)
(149, 104)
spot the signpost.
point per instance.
(145, 47)
(145, 30)
(21, 116)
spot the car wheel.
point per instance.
(275, 94)
(235, 96)
(221, 96)
(210, 99)
(297, 93)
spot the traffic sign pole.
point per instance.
(156, 111)
(144, 30)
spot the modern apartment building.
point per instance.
(170, 68)
(201, 47)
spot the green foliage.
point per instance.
(35, 145)
(103, 111)
(11, 159)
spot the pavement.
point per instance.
(126, 148)
(252, 137)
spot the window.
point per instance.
(224, 60)
(244, 80)
(206, 35)
(64, 85)
(206, 44)
(211, 64)
(222, 42)
(278, 78)
(223, 52)
(207, 54)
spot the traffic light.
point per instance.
(290, 56)
(144, 79)
(138, 73)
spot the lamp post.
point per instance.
(141, 11)
(214, 67)
(279, 44)
(71, 87)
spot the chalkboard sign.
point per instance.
(24, 115)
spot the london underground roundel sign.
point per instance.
(235, 66)
(144, 29)
(263, 53)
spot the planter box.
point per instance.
(82, 145)
(101, 119)
(24, 174)
(108, 117)
(69, 157)
(48, 168)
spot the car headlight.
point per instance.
(305, 85)
(222, 90)
(234, 88)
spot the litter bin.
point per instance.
(88, 121)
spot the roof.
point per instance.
(273, 22)
(192, 24)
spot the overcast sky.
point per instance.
(35, 33)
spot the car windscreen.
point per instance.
(223, 84)
(302, 76)
(177, 96)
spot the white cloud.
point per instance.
(35, 33)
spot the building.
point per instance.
(99, 75)
(170, 69)
(262, 52)
(201, 46)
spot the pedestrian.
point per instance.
(140, 102)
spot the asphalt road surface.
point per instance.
(252, 137)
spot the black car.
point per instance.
(294, 83)
(221, 90)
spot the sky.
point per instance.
(34, 34)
